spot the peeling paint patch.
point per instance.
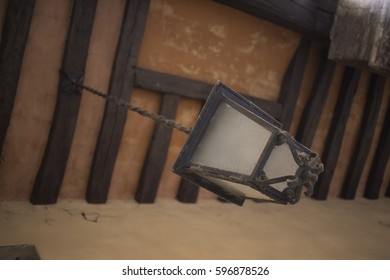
(218, 30)
(215, 49)
(189, 69)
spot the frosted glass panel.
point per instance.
(246, 190)
(280, 163)
(232, 142)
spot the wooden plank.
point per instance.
(357, 25)
(334, 139)
(188, 192)
(366, 133)
(51, 172)
(378, 167)
(314, 106)
(172, 84)
(157, 153)
(121, 86)
(14, 36)
(303, 16)
(292, 83)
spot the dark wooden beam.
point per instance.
(188, 192)
(314, 106)
(184, 87)
(121, 86)
(157, 153)
(292, 83)
(51, 172)
(387, 194)
(378, 166)
(14, 36)
(171, 84)
(335, 136)
(366, 133)
(310, 18)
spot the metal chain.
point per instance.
(160, 119)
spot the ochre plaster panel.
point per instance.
(207, 41)
(306, 86)
(327, 113)
(104, 37)
(134, 146)
(370, 158)
(350, 135)
(35, 100)
(186, 114)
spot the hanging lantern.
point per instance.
(238, 151)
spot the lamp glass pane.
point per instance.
(232, 142)
(280, 163)
(247, 191)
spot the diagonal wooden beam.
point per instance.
(14, 36)
(311, 18)
(378, 167)
(366, 134)
(314, 106)
(184, 87)
(188, 192)
(51, 172)
(121, 86)
(292, 83)
(336, 131)
(157, 153)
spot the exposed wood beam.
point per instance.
(366, 134)
(314, 106)
(51, 172)
(335, 136)
(292, 83)
(188, 192)
(121, 86)
(310, 18)
(184, 87)
(157, 153)
(14, 36)
(378, 167)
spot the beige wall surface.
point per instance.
(198, 39)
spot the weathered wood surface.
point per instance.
(292, 83)
(51, 172)
(366, 134)
(188, 192)
(360, 35)
(184, 87)
(334, 139)
(157, 153)
(121, 86)
(378, 167)
(311, 18)
(314, 106)
(14, 36)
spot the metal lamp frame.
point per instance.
(309, 163)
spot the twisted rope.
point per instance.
(160, 119)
